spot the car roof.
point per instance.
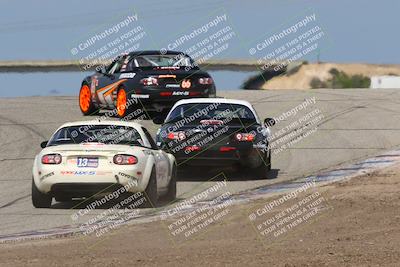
(156, 52)
(215, 100)
(102, 122)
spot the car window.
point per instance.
(116, 67)
(107, 134)
(143, 61)
(232, 113)
(150, 138)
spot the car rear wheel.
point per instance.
(40, 200)
(171, 194)
(151, 193)
(262, 171)
(122, 101)
(85, 101)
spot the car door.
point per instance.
(107, 83)
(161, 160)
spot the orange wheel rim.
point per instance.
(121, 102)
(84, 98)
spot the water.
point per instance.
(68, 83)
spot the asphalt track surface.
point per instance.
(356, 124)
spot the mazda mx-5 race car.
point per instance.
(216, 131)
(93, 159)
(144, 81)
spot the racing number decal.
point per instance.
(186, 84)
(83, 162)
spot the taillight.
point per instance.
(125, 160)
(149, 81)
(165, 93)
(189, 149)
(244, 137)
(227, 148)
(205, 81)
(52, 159)
(176, 135)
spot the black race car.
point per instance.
(216, 131)
(146, 81)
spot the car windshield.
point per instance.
(228, 113)
(106, 134)
(178, 60)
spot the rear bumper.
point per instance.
(221, 156)
(161, 99)
(82, 183)
(85, 189)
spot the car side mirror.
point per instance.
(158, 120)
(43, 144)
(269, 122)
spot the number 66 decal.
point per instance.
(186, 84)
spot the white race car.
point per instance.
(86, 159)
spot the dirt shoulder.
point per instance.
(355, 224)
(302, 78)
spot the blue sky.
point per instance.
(356, 30)
(353, 31)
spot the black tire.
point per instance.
(268, 161)
(262, 171)
(171, 194)
(40, 200)
(151, 193)
(92, 109)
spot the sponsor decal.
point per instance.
(167, 76)
(127, 75)
(167, 68)
(127, 176)
(139, 96)
(180, 93)
(172, 86)
(46, 176)
(78, 173)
